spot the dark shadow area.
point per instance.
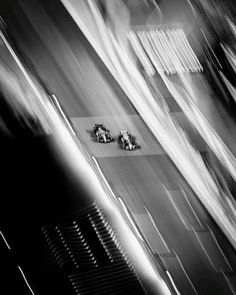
(36, 188)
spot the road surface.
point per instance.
(175, 224)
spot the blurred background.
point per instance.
(79, 216)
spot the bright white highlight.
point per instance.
(209, 46)
(32, 292)
(33, 106)
(154, 224)
(173, 283)
(141, 55)
(29, 80)
(5, 240)
(231, 25)
(169, 47)
(161, 124)
(69, 152)
(172, 62)
(58, 107)
(229, 86)
(230, 56)
(181, 265)
(130, 219)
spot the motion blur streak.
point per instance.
(214, 238)
(172, 139)
(229, 86)
(23, 275)
(230, 56)
(176, 208)
(172, 281)
(231, 25)
(151, 218)
(140, 53)
(188, 106)
(63, 115)
(69, 152)
(205, 251)
(172, 47)
(204, 35)
(203, 126)
(32, 106)
(5, 240)
(194, 213)
(79, 21)
(79, 164)
(159, 10)
(21, 67)
(130, 219)
(186, 273)
(154, 41)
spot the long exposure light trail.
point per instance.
(26, 281)
(171, 47)
(155, 43)
(173, 283)
(229, 86)
(204, 186)
(231, 25)
(66, 147)
(187, 100)
(141, 54)
(178, 57)
(5, 240)
(230, 56)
